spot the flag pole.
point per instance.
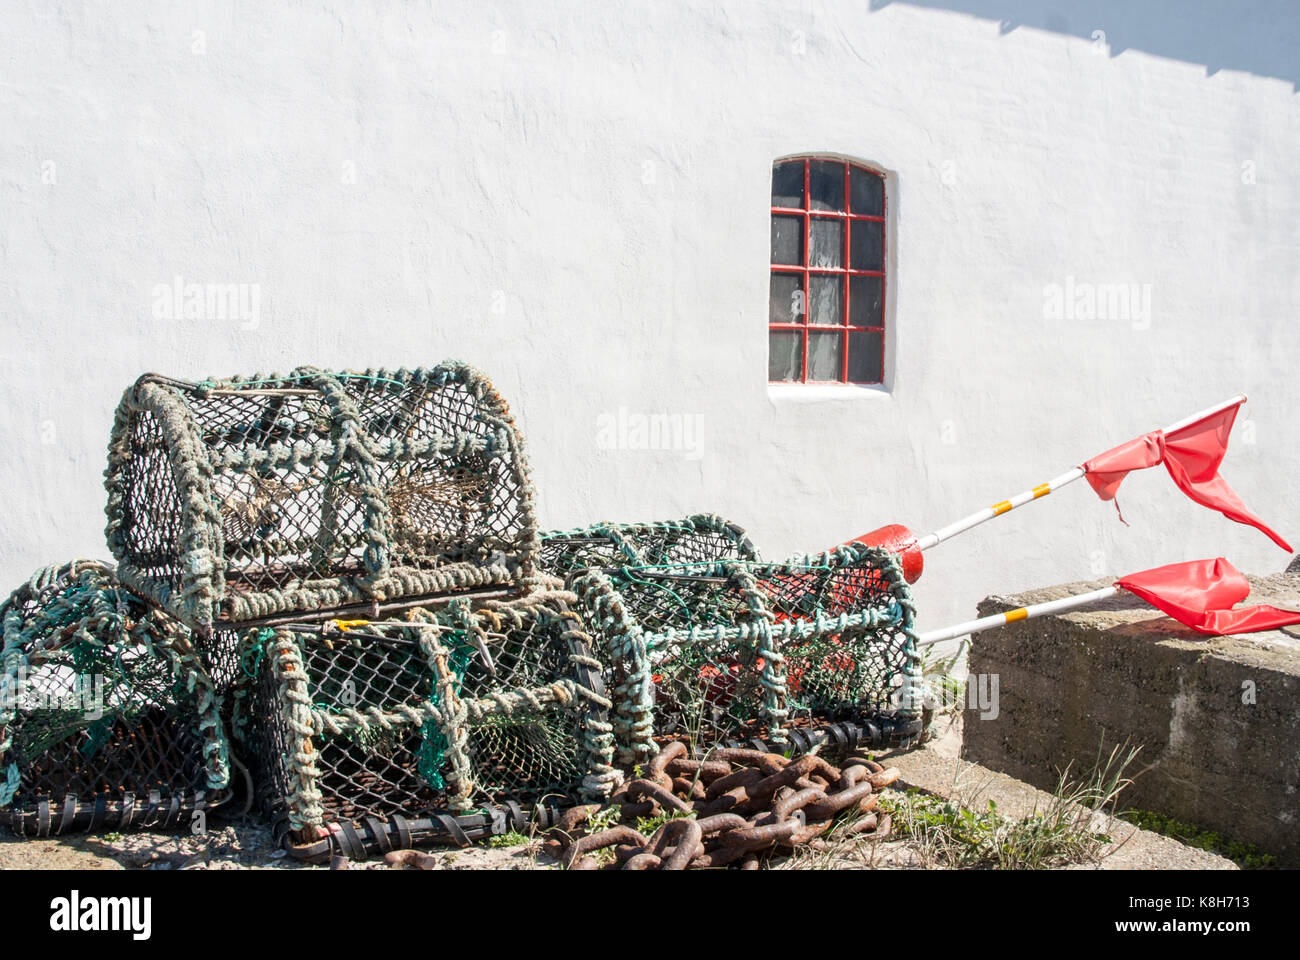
(1051, 486)
(1011, 616)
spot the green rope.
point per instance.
(344, 445)
(686, 607)
(258, 651)
(10, 787)
(216, 385)
(433, 741)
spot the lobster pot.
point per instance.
(246, 500)
(107, 718)
(782, 655)
(387, 736)
(698, 538)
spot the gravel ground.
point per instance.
(936, 768)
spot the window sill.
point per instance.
(817, 392)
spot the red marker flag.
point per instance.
(1192, 455)
(1202, 593)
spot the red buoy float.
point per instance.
(896, 538)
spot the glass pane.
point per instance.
(866, 245)
(866, 296)
(784, 354)
(868, 192)
(827, 243)
(787, 240)
(785, 305)
(787, 184)
(826, 185)
(824, 352)
(865, 357)
(825, 298)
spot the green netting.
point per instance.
(719, 651)
(232, 501)
(107, 715)
(698, 538)
(439, 712)
(433, 741)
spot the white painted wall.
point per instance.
(574, 197)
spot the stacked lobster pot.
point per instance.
(108, 717)
(776, 656)
(347, 563)
(702, 537)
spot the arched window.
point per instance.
(826, 310)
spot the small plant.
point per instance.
(604, 819)
(648, 825)
(944, 692)
(511, 838)
(1243, 854)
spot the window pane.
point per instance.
(787, 240)
(824, 352)
(826, 300)
(864, 357)
(787, 184)
(786, 303)
(866, 245)
(784, 354)
(827, 243)
(865, 301)
(826, 185)
(868, 192)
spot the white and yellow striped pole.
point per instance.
(1011, 616)
(1051, 486)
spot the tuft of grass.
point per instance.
(1242, 854)
(950, 833)
(511, 838)
(648, 825)
(604, 819)
(944, 693)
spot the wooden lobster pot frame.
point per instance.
(788, 654)
(401, 732)
(251, 499)
(108, 719)
(698, 538)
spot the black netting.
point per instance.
(400, 760)
(239, 499)
(107, 716)
(732, 651)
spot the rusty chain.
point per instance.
(733, 806)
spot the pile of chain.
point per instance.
(734, 806)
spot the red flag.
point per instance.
(1202, 593)
(1192, 455)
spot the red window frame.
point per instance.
(806, 271)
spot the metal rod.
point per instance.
(1012, 616)
(664, 575)
(360, 609)
(1051, 486)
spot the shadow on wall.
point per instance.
(1261, 37)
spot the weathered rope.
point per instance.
(81, 605)
(350, 458)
